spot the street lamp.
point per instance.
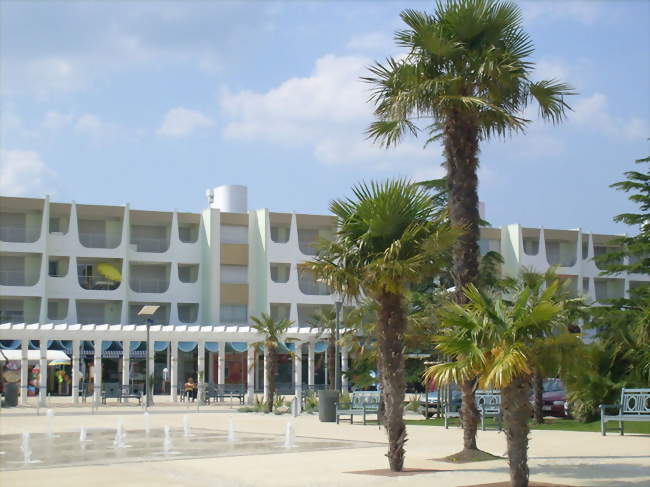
(147, 311)
(337, 364)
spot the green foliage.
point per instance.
(470, 57)
(311, 403)
(279, 402)
(414, 403)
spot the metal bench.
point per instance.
(361, 403)
(131, 392)
(488, 403)
(634, 406)
(111, 390)
(219, 392)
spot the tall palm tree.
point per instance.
(502, 342)
(273, 332)
(465, 78)
(386, 241)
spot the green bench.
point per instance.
(361, 403)
(488, 403)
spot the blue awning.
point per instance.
(160, 346)
(212, 347)
(238, 347)
(320, 347)
(186, 346)
(9, 344)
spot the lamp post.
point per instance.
(337, 364)
(147, 311)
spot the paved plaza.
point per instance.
(324, 454)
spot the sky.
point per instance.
(152, 103)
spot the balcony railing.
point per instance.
(20, 233)
(97, 283)
(96, 240)
(149, 285)
(150, 244)
(18, 278)
(8, 316)
(313, 288)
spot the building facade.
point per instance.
(74, 277)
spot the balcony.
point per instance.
(313, 228)
(91, 311)
(20, 219)
(99, 275)
(59, 223)
(561, 247)
(607, 289)
(280, 311)
(280, 273)
(280, 227)
(100, 227)
(58, 266)
(530, 240)
(188, 312)
(150, 231)
(233, 313)
(160, 317)
(19, 309)
(188, 273)
(19, 269)
(149, 278)
(306, 313)
(309, 286)
(188, 227)
(57, 309)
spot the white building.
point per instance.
(74, 277)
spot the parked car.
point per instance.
(429, 404)
(554, 397)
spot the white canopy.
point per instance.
(32, 355)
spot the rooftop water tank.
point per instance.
(230, 198)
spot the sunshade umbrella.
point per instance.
(109, 271)
(59, 362)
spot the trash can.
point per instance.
(327, 406)
(11, 395)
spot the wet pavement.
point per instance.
(65, 449)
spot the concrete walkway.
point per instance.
(568, 458)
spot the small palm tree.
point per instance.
(465, 78)
(386, 241)
(502, 342)
(273, 332)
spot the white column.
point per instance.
(297, 373)
(310, 363)
(75, 371)
(97, 387)
(250, 362)
(126, 362)
(174, 371)
(42, 384)
(200, 368)
(344, 369)
(221, 373)
(24, 371)
(266, 367)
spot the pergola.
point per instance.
(46, 333)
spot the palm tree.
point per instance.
(273, 332)
(467, 72)
(502, 342)
(386, 241)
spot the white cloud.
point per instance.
(593, 113)
(181, 122)
(90, 124)
(326, 111)
(57, 121)
(23, 173)
(585, 12)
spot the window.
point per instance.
(234, 234)
(188, 312)
(280, 234)
(55, 226)
(234, 274)
(234, 313)
(188, 273)
(53, 268)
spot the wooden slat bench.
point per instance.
(361, 403)
(634, 406)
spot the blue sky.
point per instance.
(152, 103)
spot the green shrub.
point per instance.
(414, 403)
(311, 403)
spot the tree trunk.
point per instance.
(538, 404)
(516, 412)
(270, 376)
(461, 147)
(391, 328)
(331, 361)
(469, 415)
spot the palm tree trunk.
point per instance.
(516, 412)
(331, 361)
(469, 415)
(270, 376)
(391, 328)
(538, 403)
(461, 147)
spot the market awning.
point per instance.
(32, 355)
